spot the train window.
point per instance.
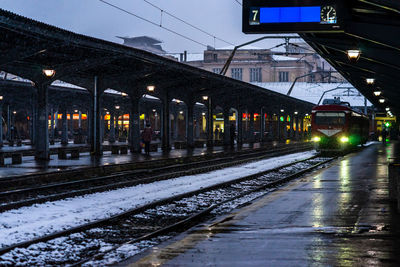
(330, 118)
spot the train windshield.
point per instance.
(330, 118)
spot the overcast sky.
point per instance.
(221, 18)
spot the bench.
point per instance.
(119, 149)
(62, 153)
(114, 149)
(199, 143)
(180, 145)
(16, 158)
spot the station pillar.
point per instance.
(240, 128)
(111, 136)
(165, 122)
(41, 126)
(285, 132)
(210, 123)
(96, 148)
(251, 127)
(176, 121)
(134, 131)
(262, 125)
(227, 127)
(1, 124)
(189, 124)
(64, 127)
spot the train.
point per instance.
(335, 126)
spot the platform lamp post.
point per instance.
(41, 128)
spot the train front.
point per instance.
(329, 128)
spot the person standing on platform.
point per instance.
(216, 133)
(146, 136)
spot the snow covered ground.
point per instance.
(41, 219)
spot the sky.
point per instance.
(220, 18)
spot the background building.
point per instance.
(252, 64)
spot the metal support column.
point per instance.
(240, 128)
(95, 141)
(135, 127)
(111, 136)
(210, 121)
(64, 129)
(189, 125)
(8, 122)
(41, 127)
(52, 124)
(262, 125)
(251, 128)
(165, 123)
(227, 127)
(1, 124)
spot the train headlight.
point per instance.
(316, 139)
(344, 139)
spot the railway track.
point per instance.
(20, 197)
(99, 242)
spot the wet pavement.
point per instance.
(337, 216)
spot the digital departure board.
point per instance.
(292, 16)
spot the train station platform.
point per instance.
(336, 216)
(30, 166)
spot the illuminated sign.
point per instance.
(293, 16)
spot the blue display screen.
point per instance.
(290, 14)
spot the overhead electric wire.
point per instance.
(187, 23)
(237, 1)
(151, 22)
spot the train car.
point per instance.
(337, 127)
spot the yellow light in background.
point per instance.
(344, 139)
(316, 139)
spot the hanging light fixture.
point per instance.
(377, 93)
(353, 54)
(381, 100)
(151, 88)
(205, 97)
(370, 81)
(49, 73)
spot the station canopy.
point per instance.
(369, 26)
(29, 46)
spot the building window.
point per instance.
(215, 57)
(283, 76)
(237, 73)
(255, 75)
(216, 70)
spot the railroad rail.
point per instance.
(20, 197)
(166, 216)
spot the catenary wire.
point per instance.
(187, 23)
(151, 22)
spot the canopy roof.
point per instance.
(374, 28)
(29, 46)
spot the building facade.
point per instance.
(255, 65)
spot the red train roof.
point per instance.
(333, 107)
